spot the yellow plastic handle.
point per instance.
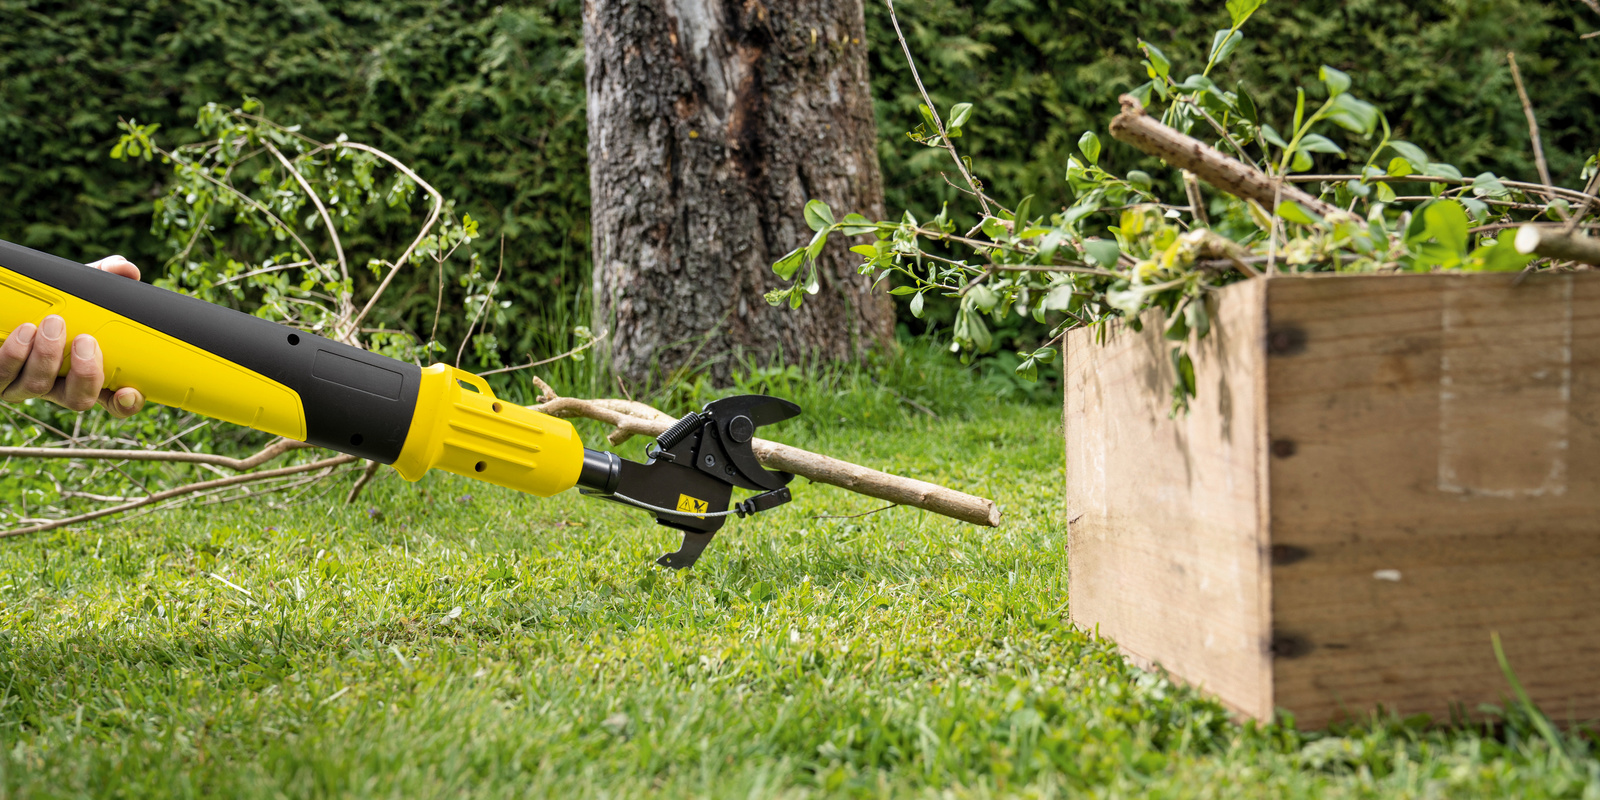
(475, 434)
(167, 370)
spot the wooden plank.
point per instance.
(1436, 477)
(1166, 537)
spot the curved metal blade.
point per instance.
(761, 409)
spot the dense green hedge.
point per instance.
(1041, 72)
(488, 98)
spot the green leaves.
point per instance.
(1023, 214)
(1441, 239)
(1156, 63)
(1247, 105)
(1336, 81)
(1447, 222)
(1410, 152)
(818, 215)
(1240, 10)
(1502, 256)
(1102, 252)
(786, 266)
(1353, 114)
(1184, 385)
(959, 114)
(983, 298)
(1089, 145)
(1317, 143)
(971, 332)
(1294, 212)
(1223, 44)
(1029, 368)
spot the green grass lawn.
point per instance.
(453, 639)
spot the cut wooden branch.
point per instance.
(1231, 175)
(220, 483)
(1558, 245)
(1197, 204)
(813, 466)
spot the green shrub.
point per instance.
(487, 100)
(1042, 71)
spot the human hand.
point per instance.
(31, 358)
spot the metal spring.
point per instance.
(679, 431)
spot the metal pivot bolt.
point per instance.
(740, 429)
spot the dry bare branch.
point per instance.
(268, 453)
(1533, 124)
(220, 483)
(367, 474)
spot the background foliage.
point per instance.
(1042, 71)
(486, 100)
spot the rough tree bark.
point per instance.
(711, 123)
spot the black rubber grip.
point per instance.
(354, 401)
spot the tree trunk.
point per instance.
(711, 123)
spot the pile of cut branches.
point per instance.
(1379, 204)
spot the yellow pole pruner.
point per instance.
(203, 358)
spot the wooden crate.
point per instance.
(1378, 472)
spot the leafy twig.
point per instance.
(541, 362)
(938, 123)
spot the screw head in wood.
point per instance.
(1289, 645)
(1283, 555)
(1286, 341)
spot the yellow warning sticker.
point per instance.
(689, 505)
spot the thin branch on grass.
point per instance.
(367, 474)
(246, 464)
(855, 516)
(180, 491)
